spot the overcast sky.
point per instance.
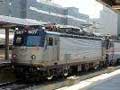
(89, 7)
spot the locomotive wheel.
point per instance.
(86, 67)
(50, 77)
(65, 73)
(96, 67)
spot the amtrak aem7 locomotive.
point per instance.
(44, 53)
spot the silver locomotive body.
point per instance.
(63, 49)
(59, 53)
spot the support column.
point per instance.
(6, 43)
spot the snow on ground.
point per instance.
(91, 81)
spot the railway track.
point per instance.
(55, 84)
(16, 85)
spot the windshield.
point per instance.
(34, 41)
(29, 38)
(18, 40)
(29, 41)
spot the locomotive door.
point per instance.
(53, 48)
(110, 52)
(67, 58)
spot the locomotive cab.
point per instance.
(34, 47)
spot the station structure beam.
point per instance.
(7, 43)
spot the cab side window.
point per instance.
(50, 41)
(56, 41)
(18, 41)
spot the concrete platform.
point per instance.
(111, 84)
(106, 81)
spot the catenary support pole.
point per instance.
(6, 43)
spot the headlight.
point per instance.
(14, 56)
(33, 57)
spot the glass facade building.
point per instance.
(42, 11)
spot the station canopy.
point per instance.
(7, 21)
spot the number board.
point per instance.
(28, 32)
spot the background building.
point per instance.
(109, 22)
(43, 11)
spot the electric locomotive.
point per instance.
(42, 53)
